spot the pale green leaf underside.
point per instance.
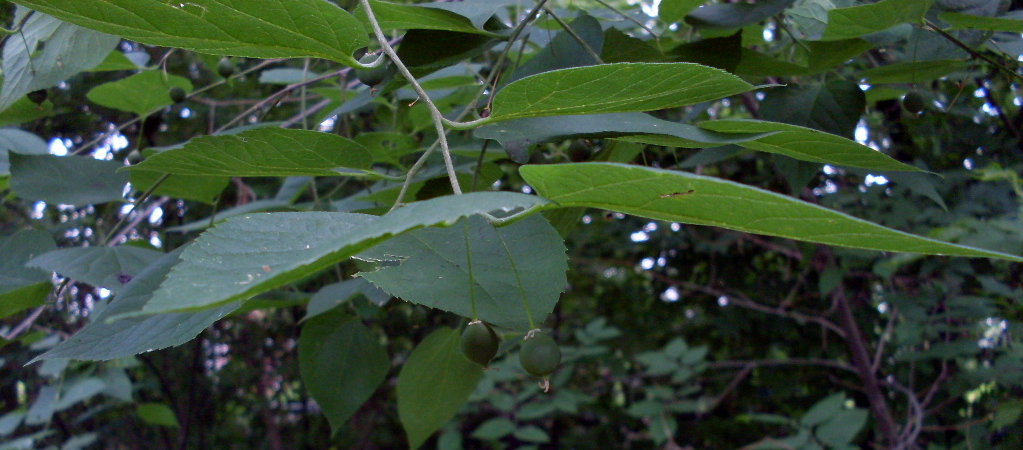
(256, 29)
(610, 88)
(434, 384)
(270, 152)
(688, 198)
(393, 16)
(104, 340)
(807, 144)
(250, 254)
(503, 270)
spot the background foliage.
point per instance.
(721, 210)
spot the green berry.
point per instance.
(479, 343)
(134, 157)
(226, 68)
(38, 97)
(540, 355)
(914, 102)
(177, 94)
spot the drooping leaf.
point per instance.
(723, 52)
(47, 51)
(478, 12)
(19, 299)
(157, 414)
(71, 180)
(913, 72)
(674, 10)
(250, 254)
(264, 151)
(834, 107)
(25, 110)
(975, 22)
(103, 340)
(504, 271)
(807, 145)
(517, 136)
(141, 94)
(263, 29)
(856, 21)
(333, 295)
(699, 200)
(19, 141)
(342, 363)
(620, 47)
(609, 88)
(109, 267)
(434, 384)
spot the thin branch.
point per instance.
(574, 35)
(934, 27)
(782, 363)
(914, 418)
(438, 121)
(885, 336)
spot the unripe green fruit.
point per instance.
(374, 76)
(38, 97)
(134, 157)
(540, 355)
(479, 343)
(177, 94)
(226, 68)
(914, 102)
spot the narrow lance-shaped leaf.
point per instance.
(256, 29)
(505, 271)
(610, 88)
(434, 384)
(807, 144)
(269, 152)
(250, 254)
(694, 199)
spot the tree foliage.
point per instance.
(771, 224)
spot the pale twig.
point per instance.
(438, 118)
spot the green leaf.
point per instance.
(856, 21)
(47, 51)
(186, 187)
(250, 254)
(333, 295)
(735, 15)
(494, 429)
(264, 29)
(565, 51)
(834, 107)
(824, 410)
(1008, 413)
(342, 364)
(18, 249)
(519, 135)
(19, 141)
(19, 299)
(842, 428)
(694, 199)
(913, 72)
(393, 16)
(532, 433)
(961, 21)
(264, 151)
(503, 270)
(109, 267)
(609, 88)
(103, 340)
(675, 10)
(142, 93)
(157, 414)
(434, 384)
(386, 147)
(71, 180)
(24, 110)
(808, 145)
